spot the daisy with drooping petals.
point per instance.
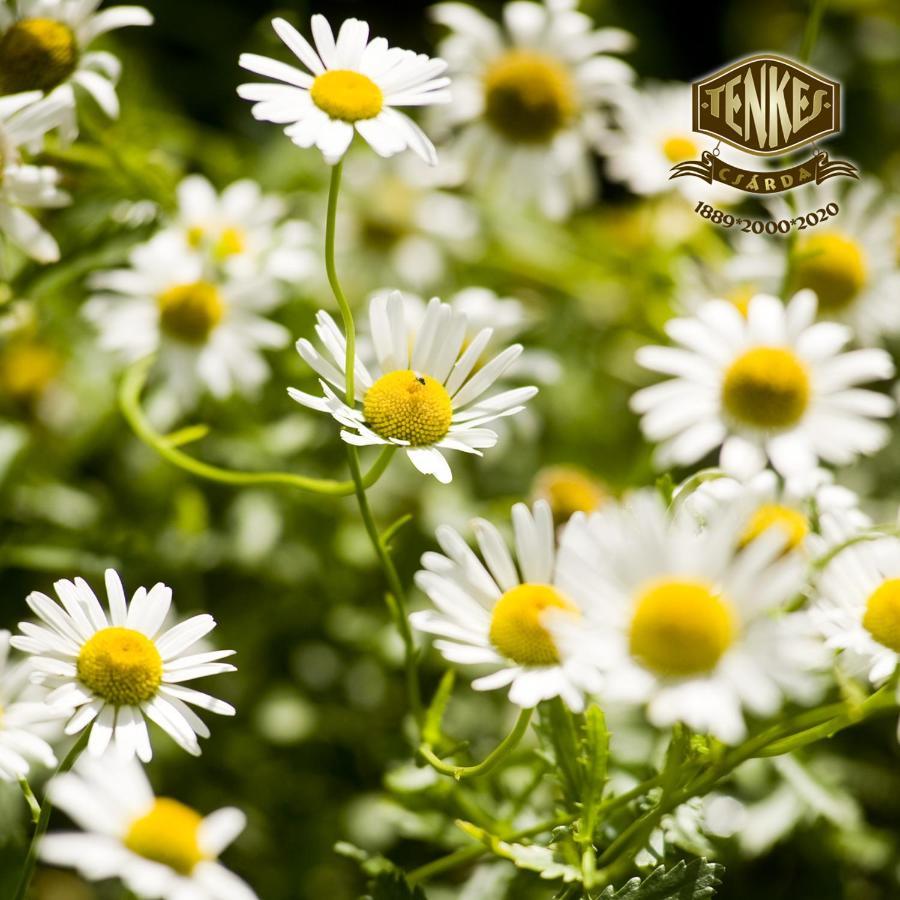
(772, 384)
(685, 621)
(117, 670)
(160, 848)
(355, 85)
(427, 395)
(496, 613)
(23, 719)
(530, 97)
(207, 329)
(42, 48)
(24, 121)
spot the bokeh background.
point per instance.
(291, 578)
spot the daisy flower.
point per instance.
(426, 395)
(653, 134)
(44, 47)
(22, 739)
(530, 97)
(351, 85)
(208, 330)
(496, 613)
(858, 605)
(115, 671)
(684, 621)
(242, 230)
(24, 121)
(772, 384)
(568, 490)
(850, 260)
(160, 848)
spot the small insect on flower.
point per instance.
(43, 47)
(427, 394)
(772, 384)
(159, 848)
(355, 85)
(115, 671)
(497, 614)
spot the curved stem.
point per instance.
(490, 762)
(813, 24)
(130, 402)
(44, 819)
(330, 266)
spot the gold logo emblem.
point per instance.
(767, 106)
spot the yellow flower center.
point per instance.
(120, 665)
(767, 387)
(569, 490)
(346, 95)
(36, 55)
(882, 615)
(517, 628)
(196, 234)
(26, 370)
(190, 312)
(790, 522)
(529, 96)
(681, 628)
(678, 148)
(168, 834)
(232, 241)
(408, 407)
(741, 296)
(834, 266)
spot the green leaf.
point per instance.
(557, 728)
(386, 881)
(594, 762)
(696, 880)
(432, 731)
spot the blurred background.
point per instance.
(290, 577)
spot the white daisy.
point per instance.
(207, 329)
(773, 384)
(682, 620)
(850, 259)
(496, 614)
(427, 394)
(43, 47)
(531, 97)
(22, 715)
(243, 230)
(654, 133)
(23, 121)
(355, 86)
(116, 671)
(160, 848)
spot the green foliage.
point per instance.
(695, 880)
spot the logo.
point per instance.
(767, 106)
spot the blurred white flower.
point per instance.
(44, 47)
(531, 98)
(114, 672)
(355, 86)
(160, 848)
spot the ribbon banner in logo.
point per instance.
(817, 168)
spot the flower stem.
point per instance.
(330, 266)
(31, 800)
(813, 24)
(490, 762)
(44, 818)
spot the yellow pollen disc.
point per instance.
(678, 148)
(408, 407)
(681, 628)
(517, 628)
(882, 615)
(190, 312)
(168, 834)
(569, 490)
(767, 387)
(347, 95)
(232, 241)
(195, 236)
(741, 296)
(529, 96)
(36, 55)
(121, 666)
(26, 370)
(834, 266)
(790, 522)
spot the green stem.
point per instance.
(813, 24)
(31, 800)
(130, 402)
(490, 762)
(330, 266)
(44, 819)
